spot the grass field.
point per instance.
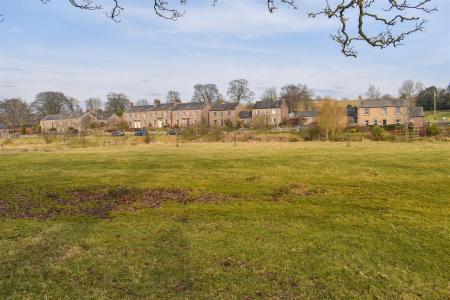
(440, 115)
(203, 221)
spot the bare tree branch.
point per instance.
(402, 15)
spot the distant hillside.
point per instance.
(440, 115)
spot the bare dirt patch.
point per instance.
(292, 191)
(98, 201)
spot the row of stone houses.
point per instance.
(61, 123)
(178, 114)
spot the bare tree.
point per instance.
(142, 102)
(331, 118)
(397, 19)
(296, 94)
(373, 93)
(238, 90)
(172, 96)
(16, 111)
(117, 103)
(49, 103)
(74, 105)
(208, 93)
(408, 92)
(93, 104)
(270, 94)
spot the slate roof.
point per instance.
(163, 106)
(245, 114)
(379, 103)
(225, 106)
(141, 108)
(190, 106)
(62, 117)
(267, 104)
(307, 114)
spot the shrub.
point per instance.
(433, 130)
(24, 130)
(312, 133)
(293, 139)
(378, 133)
(216, 134)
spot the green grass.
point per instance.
(440, 115)
(305, 220)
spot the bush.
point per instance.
(24, 130)
(378, 133)
(312, 133)
(433, 130)
(293, 139)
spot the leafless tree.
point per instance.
(373, 93)
(238, 90)
(172, 96)
(408, 92)
(16, 111)
(270, 94)
(395, 19)
(142, 102)
(117, 103)
(49, 103)
(208, 93)
(93, 104)
(331, 118)
(296, 94)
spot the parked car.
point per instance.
(171, 132)
(118, 133)
(140, 133)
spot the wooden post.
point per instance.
(176, 135)
(234, 138)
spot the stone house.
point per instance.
(137, 117)
(305, 117)
(245, 116)
(191, 113)
(221, 113)
(63, 122)
(382, 112)
(108, 120)
(272, 112)
(160, 115)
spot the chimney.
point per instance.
(156, 102)
(176, 102)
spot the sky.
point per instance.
(55, 47)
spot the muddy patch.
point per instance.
(293, 191)
(99, 201)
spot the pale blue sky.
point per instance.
(84, 54)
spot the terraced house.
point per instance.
(271, 112)
(221, 114)
(63, 122)
(191, 113)
(381, 112)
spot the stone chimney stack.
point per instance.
(156, 102)
(176, 102)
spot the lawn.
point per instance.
(440, 115)
(203, 221)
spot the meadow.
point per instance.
(258, 220)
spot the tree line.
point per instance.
(16, 111)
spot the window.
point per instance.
(397, 110)
(215, 114)
(384, 111)
(228, 113)
(375, 122)
(265, 112)
(221, 113)
(274, 111)
(366, 122)
(384, 122)
(397, 122)
(154, 123)
(177, 115)
(366, 111)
